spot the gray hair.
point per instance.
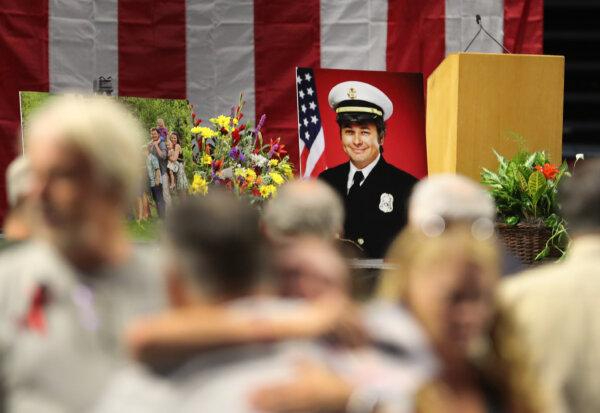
(580, 198)
(103, 130)
(441, 199)
(304, 207)
(18, 180)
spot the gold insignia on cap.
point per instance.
(362, 109)
(352, 93)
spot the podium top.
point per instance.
(511, 55)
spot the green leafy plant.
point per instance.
(525, 190)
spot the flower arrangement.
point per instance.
(525, 190)
(232, 154)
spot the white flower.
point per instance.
(386, 203)
(579, 156)
(259, 160)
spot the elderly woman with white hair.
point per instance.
(67, 295)
(439, 202)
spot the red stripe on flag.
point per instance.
(416, 39)
(152, 48)
(286, 35)
(320, 166)
(24, 51)
(303, 159)
(524, 26)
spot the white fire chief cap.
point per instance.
(360, 98)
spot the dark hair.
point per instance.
(153, 130)
(580, 198)
(347, 119)
(218, 237)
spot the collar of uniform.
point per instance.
(366, 171)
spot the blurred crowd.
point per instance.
(240, 309)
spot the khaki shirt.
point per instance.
(558, 308)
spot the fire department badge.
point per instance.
(386, 203)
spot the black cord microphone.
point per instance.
(481, 28)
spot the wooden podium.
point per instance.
(476, 102)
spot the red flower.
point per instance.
(236, 137)
(193, 115)
(197, 122)
(277, 148)
(255, 191)
(223, 131)
(217, 165)
(549, 170)
(242, 127)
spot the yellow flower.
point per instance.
(277, 178)
(204, 131)
(235, 121)
(206, 159)
(239, 172)
(199, 185)
(222, 122)
(207, 132)
(250, 175)
(286, 169)
(267, 191)
(273, 162)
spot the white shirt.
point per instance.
(366, 171)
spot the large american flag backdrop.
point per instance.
(210, 50)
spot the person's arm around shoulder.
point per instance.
(161, 149)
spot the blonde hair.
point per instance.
(105, 132)
(413, 248)
(503, 362)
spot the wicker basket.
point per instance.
(525, 241)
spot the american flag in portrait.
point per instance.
(311, 139)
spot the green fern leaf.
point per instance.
(535, 186)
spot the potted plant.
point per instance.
(525, 190)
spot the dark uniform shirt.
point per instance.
(377, 210)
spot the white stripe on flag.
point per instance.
(461, 25)
(106, 21)
(316, 150)
(71, 44)
(82, 43)
(354, 34)
(220, 56)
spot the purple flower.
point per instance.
(261, 123)
(236, 154)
